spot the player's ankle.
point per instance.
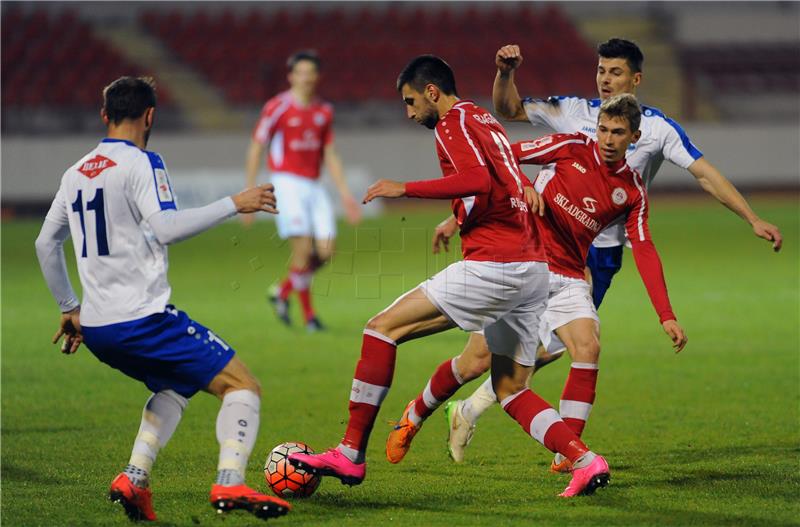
(229, 477)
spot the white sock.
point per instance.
(480, 401)
(161, 415)
(584, 460)
(356, 456)
(237, 429)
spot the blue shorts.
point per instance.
(603, 262)
(164, 351)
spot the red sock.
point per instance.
(286, 289)
(371, 383)
(578, 396)
(444, 383)
(305, 302)
(543, 423)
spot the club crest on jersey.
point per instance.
(294, 121)
(319, 118)
(95, 166)
(588, 204)
(619, 196)
(162, 184)
(546, 140)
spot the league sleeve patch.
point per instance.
(162, 183)
(533, 145)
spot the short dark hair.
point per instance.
(129, 98)
(623, 105)
(428, 69)
(619, 48)
(299, 56)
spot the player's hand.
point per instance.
(352, 210)
(70, 329)
(508, 58)
(769, 232)
(442, 234)
(675, 332)
(385, 188)
(534, 200)
(260, 198)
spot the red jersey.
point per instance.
(476, 156)
(296, 134)
(582, 196)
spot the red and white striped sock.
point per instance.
(371, 383)
(543, 423)
(578, 396)
(301, 282)
(445, 382)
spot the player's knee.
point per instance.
(587, 351)
(507, 387)
(473, 366)
(379, 324)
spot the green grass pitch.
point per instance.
(707, 437)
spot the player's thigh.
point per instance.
(411, 316)
(582, 339)
(293, 195)
(323, 219)
(570, 300)
(234, 376)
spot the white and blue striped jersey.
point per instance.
(662, 138)
(106, 199)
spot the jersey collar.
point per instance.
(616, 167)
(109, 140)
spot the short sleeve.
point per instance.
(327, 132)
(677, 147)
(58, 212)
(150, 185)
(553, 112)
(268, 120)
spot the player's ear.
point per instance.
(636, 135)
(149, 115)
(432, 93)
(637, 79)
(104, 116)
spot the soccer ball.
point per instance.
(285, 480)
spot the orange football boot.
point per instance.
(225, 499)
(399, 441)
(561, 467)
(138, 502)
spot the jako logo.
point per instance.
(588, 204)
(577, 166)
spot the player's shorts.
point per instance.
(569, 299)
(305, 208)
(506, 300)
(164, 351)
(604, 263)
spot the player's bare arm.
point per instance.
(333, 162)
(505, 96)
(260, 198)
(255, 152)
(723, 190)
(442, 234)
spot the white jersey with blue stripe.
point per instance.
(662, 138)
(106, 199)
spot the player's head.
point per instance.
(422, 83)
(619, 67)
(618, 126)
(130, 100)
(303, 67)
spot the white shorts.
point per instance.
(506, 300)
(305, 208)
(569, 299)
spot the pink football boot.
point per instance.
(588, 479)
(331, 463)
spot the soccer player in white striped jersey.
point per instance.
(117, 204)
(619, 70)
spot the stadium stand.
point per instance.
(243, 54)
(56, 61)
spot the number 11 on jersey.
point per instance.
(97, 204)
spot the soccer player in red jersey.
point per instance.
(298, 127)
(590, 188)
(500, 286)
